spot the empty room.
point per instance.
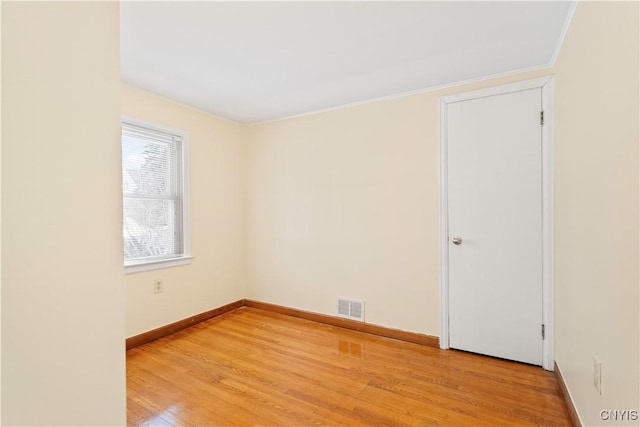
(320, 213)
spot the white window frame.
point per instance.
(137, 266)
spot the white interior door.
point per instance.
(494, 194)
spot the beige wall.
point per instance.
(217, 274)
(596, 201)
(345, 203)
(62, 285)
(0, 221)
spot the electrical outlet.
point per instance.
(158, 287)
(597, 374)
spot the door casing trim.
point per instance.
(546, 84)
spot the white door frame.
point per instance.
(546, 84)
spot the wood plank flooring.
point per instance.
(254, 367)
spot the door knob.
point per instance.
(456, 240)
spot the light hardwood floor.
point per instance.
(254, 367)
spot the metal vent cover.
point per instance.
(351, 308)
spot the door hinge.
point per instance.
(542, 331)
(541, 118)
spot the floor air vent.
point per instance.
(351, 308)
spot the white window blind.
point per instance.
(152, 194)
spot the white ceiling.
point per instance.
(257, 61)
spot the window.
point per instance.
(155, 197)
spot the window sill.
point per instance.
(138, 267)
